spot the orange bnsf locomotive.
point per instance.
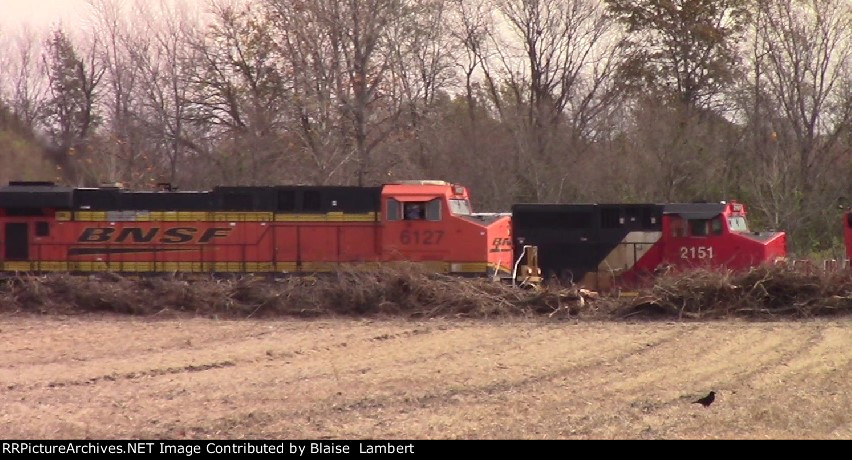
(603, 245)
(281, 229)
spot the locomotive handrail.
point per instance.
(517, 262)
(533, 254)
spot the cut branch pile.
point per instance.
(765, 291)
(410, 291)
(400, 290)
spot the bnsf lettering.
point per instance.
(175, 235)
(179, 235)
(95, 235)
(137, 235)
(211, 233)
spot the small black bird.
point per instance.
(707, 400)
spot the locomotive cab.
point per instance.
(716, 234)
(615, 246)
(432, 222)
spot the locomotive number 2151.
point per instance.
(696, 252)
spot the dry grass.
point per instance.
(112, 376)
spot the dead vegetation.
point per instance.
(409, 291)
(764, 291)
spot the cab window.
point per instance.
(393, 209)
(460, 207)
(705, 227)
(415, 210)
(698, 227)
(422, 210)
(677, 227)
(433, 210)
(737, 224)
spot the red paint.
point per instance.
(722, 246)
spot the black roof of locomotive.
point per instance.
(35, 195)
(568, 217)
(307, 199)
(689, 210)
(695, 210)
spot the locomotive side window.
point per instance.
(698, 227)
(433, 210)
(705, 227)
(421, 210)
(678, 229)
(716, 226)
(460, 207)
(415, 210)
(737, 224)
(393, 209)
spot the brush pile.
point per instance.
(407, 290)
(764, 291)
(401, 290)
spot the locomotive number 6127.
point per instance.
(427, 237)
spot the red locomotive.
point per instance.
(283, 229)
(601, 245)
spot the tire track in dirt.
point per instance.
(133, 338)
(499, 352)
(127, 376)
(658, 413)
(89, 369)
(602, 390)
(452, 394)
(451, 379)
(651, 400)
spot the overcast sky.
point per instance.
(41, 13)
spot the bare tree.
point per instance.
(318, 124)
(25, 83)
(801, 68)
(421, 55)
(240, 90)
(554, 86)
(472, 29)
(682, 48)
(166, 63)
(341, 48)
(122, 140)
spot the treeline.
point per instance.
(521, 100)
